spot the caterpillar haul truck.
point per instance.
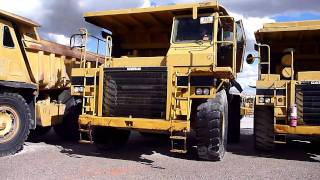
(34, 84)
(168, 70)
(288, 87)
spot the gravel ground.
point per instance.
(148, 158)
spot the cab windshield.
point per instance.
(187, 29)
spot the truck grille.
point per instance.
(138, 92)
(308, 101)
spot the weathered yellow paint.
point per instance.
(299, 130)
(49, 114)
(135, 123)
(308, 76)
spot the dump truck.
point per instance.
(247, 105)
(34, 84)
(167, 70)
(288, 86)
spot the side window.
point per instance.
(240, 32)
(7, 38)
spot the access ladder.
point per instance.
(180, 137)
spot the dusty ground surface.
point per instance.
(148, 158)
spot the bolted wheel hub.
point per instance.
(9, 123)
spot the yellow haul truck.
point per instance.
(288, 87)
(34, 84)
(168, 70)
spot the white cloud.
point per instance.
(252, 24)
(146, 3)
(32, 9)
(248, 78)
(59, 38)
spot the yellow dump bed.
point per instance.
(121, 21)
(304, 30)
(50, 63)
(146, 30)
(15, 18)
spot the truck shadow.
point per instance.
(301, 150)
(139, 149)
(145, 149)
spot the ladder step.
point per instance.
(84, 130)
(178, 151)
(227, 42)
(85, 142)
(279, 142)
(178, 137)
(88, 96)
(183, 87)
(181, 98)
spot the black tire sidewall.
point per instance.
(18, 104)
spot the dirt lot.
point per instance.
(148, 158)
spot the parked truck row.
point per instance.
(166, 70)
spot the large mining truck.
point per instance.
(288, 87)
(34, 84)
(168, 70)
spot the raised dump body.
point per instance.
(287, 100)
(169, 70)
(34, 83)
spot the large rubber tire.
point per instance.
(107, 138)
(69, 129)
(18, 104)
(234, 119)
(263, 128)
(211, 127)
(110, 98)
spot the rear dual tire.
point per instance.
(263, 128)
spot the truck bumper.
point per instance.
(135, 123)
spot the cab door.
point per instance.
(241, 44)
(12, 66)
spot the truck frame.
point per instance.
(167, 70)
(287, 90)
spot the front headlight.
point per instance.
(261, 100)
(267, 100)
(78, 89)
(206, 91)
(199, 91)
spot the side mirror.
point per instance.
(250, 59)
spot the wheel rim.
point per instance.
(9, 123)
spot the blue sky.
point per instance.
(61, 18)
(298, 16)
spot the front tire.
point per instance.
(263, 128)
(15, 118)
(211, 127)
